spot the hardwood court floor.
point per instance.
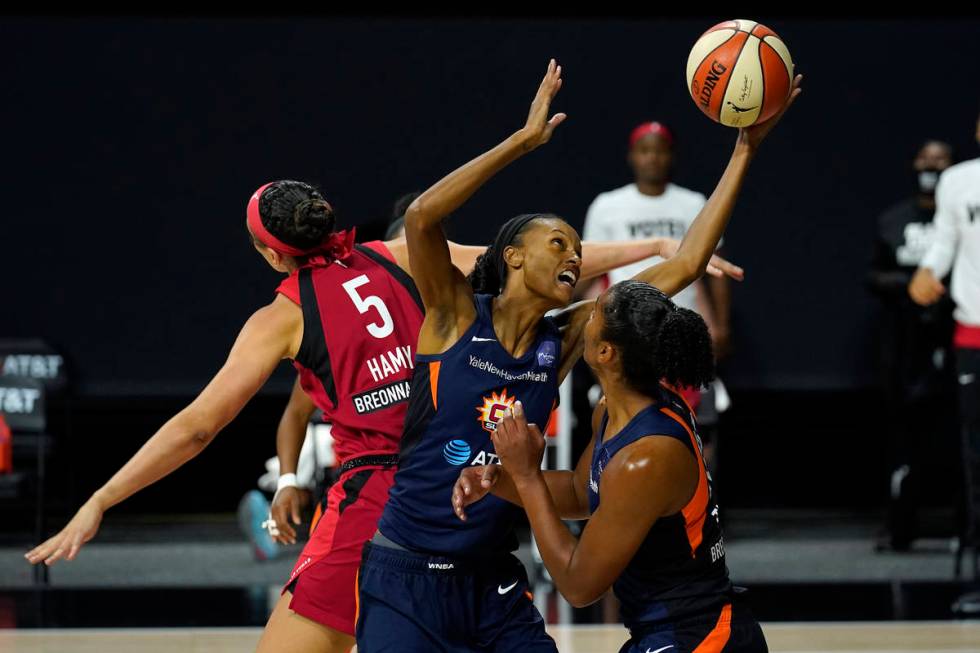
(860, 637)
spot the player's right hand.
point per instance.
(472, 485)
(753, 135)
(82, 528)
(285, 508)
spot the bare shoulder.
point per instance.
(655, 464)
(279, 322)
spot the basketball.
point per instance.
(739, 73)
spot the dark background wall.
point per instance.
(131, 146)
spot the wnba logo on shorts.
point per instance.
(456, 452)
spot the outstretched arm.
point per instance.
(702, 238)
(700, 242)
(598, 258)
(445, 293)
(271, 334)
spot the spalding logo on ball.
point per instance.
(739, 73)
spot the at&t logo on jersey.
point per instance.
(456, 452)
(492, 410)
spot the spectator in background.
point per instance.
(652, 206)
(913, 342)
(956, 246)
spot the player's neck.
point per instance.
(652, 188)
(622, 404)
(515, 321)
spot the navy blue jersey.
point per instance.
(679, 569)
(456, 400)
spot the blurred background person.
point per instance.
(651, 206)
(956, 247)
(913, 341)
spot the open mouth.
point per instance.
(568, 277)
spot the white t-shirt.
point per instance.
(628, 214)
(957, 238)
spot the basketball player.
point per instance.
(427, 581)
(348, 316)
(654, 531)
(663, 554)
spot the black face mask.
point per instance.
(928, 178)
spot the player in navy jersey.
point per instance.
(427, 581)
(654, 532)
(348, 316)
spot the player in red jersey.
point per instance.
(348, 316)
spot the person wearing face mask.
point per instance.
(955, 251)
(913, 340)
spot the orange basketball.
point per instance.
(739, 73)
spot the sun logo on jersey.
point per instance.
(492, 410)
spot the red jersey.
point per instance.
(361, 323)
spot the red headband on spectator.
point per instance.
(651, 128)
(335, 247)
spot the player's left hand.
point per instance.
(82, 528)
(519, 445)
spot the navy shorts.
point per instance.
(732, 629)
(412, 602)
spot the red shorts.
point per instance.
(323, 580)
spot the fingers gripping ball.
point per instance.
(739, 73)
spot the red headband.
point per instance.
(335, 247)
(651, 128)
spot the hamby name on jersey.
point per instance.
(391, 362)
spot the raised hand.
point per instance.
(753, 135)
(539, 127)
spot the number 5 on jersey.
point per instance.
(364, 304)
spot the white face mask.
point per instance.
(927, 181)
